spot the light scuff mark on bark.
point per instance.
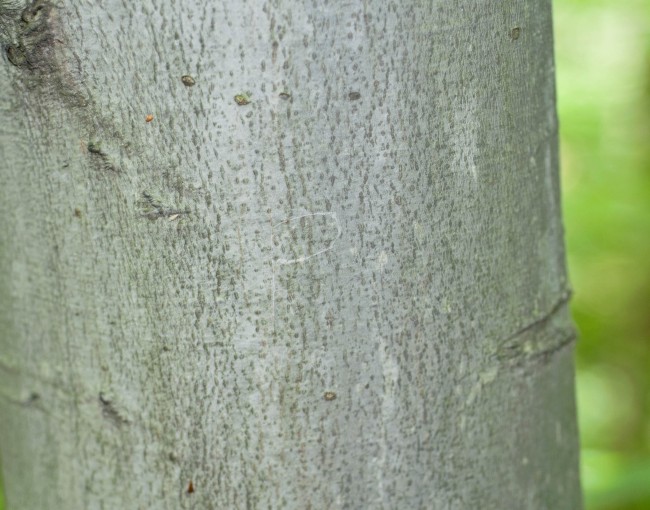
(306, 236)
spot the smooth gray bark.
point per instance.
(344, 288)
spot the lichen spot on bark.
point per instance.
(187, 80)
(95, 147)
(242, 99)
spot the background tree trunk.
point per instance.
(329, 273)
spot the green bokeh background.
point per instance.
(602, 52)
(603, 78)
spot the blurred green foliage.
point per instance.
(603, 77)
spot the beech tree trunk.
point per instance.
(282, 254)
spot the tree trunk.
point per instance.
(274, 254)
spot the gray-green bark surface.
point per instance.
(347, 293)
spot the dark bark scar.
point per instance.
(110, 412)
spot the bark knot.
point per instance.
(34, 42)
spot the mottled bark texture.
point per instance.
(328, 272)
